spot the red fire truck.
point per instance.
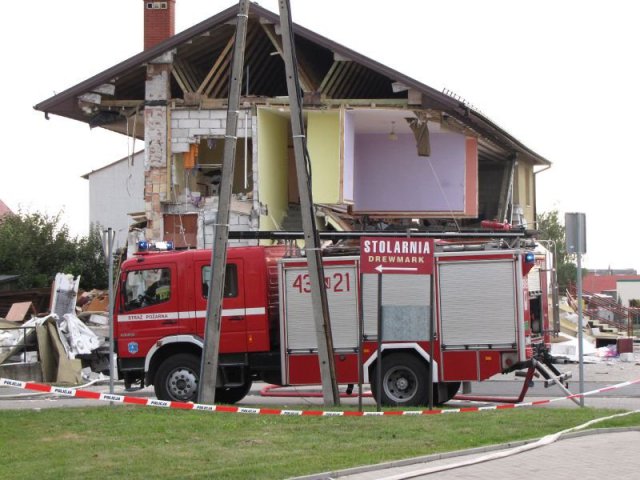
(476, 296)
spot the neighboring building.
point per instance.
(621, 287)
(612, 271)
(604, 283)
(116, 195)
(8, 282)
(628, 290)
(362, 119)
(4, 210)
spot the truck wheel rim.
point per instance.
(182, 383)
(400, 384)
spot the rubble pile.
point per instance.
(618, 347)
(55, 346)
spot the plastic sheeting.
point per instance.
(569, 349)
(75, 336)
(80, 339)
(12, 339)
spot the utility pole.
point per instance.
(108, 237)
(311, 239)
(209, 366)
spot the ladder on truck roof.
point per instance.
(353, 234)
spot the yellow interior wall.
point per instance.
(323, 143)
(523, 192)
(272, 167)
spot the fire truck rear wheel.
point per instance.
(177, 378)
(404, 380)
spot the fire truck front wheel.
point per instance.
(404, 380)
(177, 378)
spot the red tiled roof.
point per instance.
(600, 283)
(4, 210)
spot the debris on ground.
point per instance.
(20, 311)
(62, 341)
(569, 348)
(93, 301)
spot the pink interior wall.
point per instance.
(389, 176)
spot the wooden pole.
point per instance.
(311, 239)
(209, 367)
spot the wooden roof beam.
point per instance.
(214, 71)
(327, 77)
(193, 75)
(307, 84)
(355, 81)
(122, 103)
(343, 79)
(256, 55)
(221, 80)
(335, 75)
(181, 78)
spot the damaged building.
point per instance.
(385, 150)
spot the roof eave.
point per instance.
(137, 60)
(436, 99)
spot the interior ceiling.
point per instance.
(369, 120)
(381, 121)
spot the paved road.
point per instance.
(596, 375)
(589, 456)
(627, 398)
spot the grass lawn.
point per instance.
(151, 443)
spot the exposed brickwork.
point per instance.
(159, 23)
(188, 126)
(155, 188)
(157, 139)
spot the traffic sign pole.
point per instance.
(379, 370)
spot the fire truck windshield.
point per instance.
(147, 287)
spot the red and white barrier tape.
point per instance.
(153, 402)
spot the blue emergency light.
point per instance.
(529, 257)
(144, 246)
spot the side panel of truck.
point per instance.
(298, 331)
(479, 317)
(480, 314)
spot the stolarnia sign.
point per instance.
(396, 255)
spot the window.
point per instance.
(147, 287)
(230, 281)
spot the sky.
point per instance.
(563, 77)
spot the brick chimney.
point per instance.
(159, 21)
